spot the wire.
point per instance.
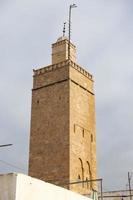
(11, 165)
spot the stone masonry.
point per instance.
(63, 138)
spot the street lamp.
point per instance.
(6, 145)
(70, 11)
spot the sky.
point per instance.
(102, 31)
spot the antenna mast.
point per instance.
(70, 12)
(64, 29)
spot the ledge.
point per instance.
(60, 65)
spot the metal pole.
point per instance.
(64, 29)
(86, 181)
(101, 189)
(69, 42)
(129, 182)
(70, 9)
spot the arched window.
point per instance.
(89, 175)
(82, 170)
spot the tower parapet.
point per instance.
(62, 64)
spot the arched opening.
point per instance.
(89, 175)
(82, 171)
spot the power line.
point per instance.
(11, 165)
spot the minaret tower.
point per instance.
(63, 138)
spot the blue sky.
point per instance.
(102, 30)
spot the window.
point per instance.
(90, 175)
(82, 171)
(91, 138)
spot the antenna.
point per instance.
(64, 29)
(70, 12)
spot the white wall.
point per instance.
(22, 187)
(7, 186)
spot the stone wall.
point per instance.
(49, 141)
(63, 138)
(82, 132)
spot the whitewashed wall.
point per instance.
(22, 187)
(8, 186)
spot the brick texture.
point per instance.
(63, 138)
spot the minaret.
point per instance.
(63, 138)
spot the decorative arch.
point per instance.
(89, 185)
(82, 171)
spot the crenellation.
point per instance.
(62, 64)
(81, 70)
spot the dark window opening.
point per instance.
(83, 132)
(79, 177)
(91, 138)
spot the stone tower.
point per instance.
(63, 139)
